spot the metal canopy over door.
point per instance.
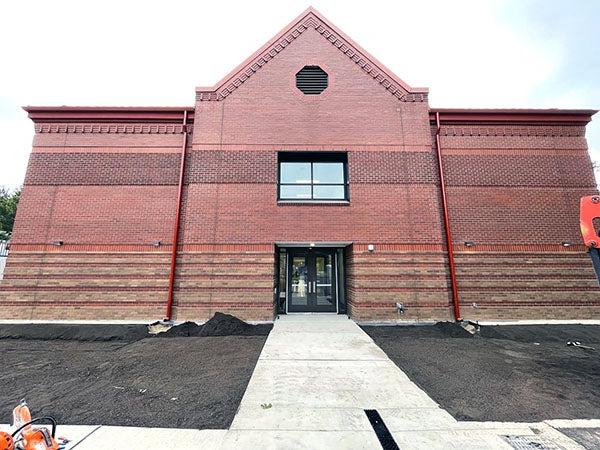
(312, 280)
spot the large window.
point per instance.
(313, 176)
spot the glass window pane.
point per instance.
(299, 282)
(330, 172)
(294, 172)
(328, 192)
(294, 192)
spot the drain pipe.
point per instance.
(177, 222)
(455, 298)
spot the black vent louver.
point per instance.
(311, 80)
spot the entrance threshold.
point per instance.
(314, 314)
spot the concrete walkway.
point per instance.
(315, 377)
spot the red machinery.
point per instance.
(589, 209)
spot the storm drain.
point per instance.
(381, 430)
(530, 443)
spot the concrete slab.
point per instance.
(323, 345)
(413, 419)
(152, 439)
(450, 439)
(310, 440)
(333, 384)
(297, 418)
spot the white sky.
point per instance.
(517, 53)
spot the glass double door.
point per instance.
(312, 281)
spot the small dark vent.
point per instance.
(311, 80)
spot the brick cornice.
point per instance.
(312, 19)
(516, 129)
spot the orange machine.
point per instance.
(589, 209)
(27, 437)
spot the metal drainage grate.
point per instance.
(312, 80)
(381, 430)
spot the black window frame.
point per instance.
(312, 158)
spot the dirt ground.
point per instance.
(506, 373)
(181, 382)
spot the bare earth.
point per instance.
(507, 373)
(182, 382)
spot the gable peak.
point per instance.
(311, 18)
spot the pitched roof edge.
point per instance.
(364, 59)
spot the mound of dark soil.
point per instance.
(184, 329)
(219, 325)
(73, 332)
(228, 325)
(452, 329)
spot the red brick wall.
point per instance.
(108, 194)
(108, 190)
(355, 110)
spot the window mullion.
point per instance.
(312, 182)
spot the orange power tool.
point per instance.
(27, 437)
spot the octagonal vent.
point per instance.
(311, 80)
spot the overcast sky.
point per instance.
(491, 54)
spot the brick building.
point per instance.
(310, 183)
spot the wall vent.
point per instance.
(312, 80)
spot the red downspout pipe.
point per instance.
(177, 221)
(455, 298)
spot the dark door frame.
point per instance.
(310, 254)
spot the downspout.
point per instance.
(455, 298)
(177, 221)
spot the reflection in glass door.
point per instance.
(312, 281)
(324, 280)
(299, 282)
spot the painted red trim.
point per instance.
(358, 249)
(501, 116)
(109, 114)
(177, 222)
(455, 298)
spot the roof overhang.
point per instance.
(109, 114)
(503, 116)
